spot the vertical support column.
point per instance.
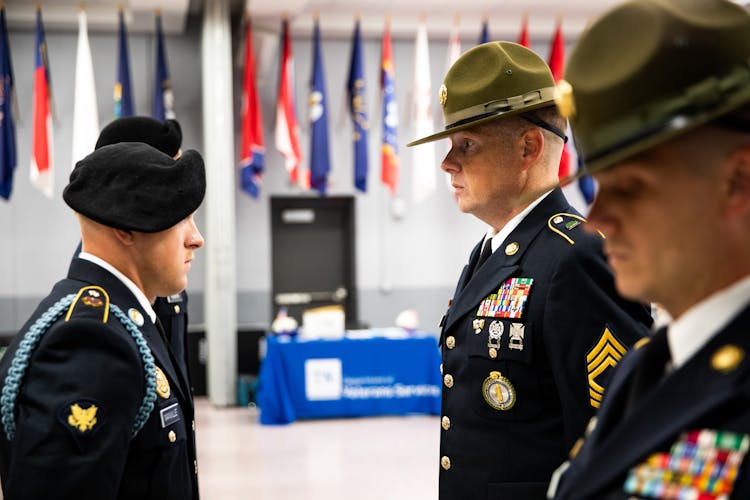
(218, 139)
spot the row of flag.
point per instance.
(315, 175)
(85, 109)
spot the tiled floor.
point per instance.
(383, 458)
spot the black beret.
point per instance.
(132, 186)
(165, 136)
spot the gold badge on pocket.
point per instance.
(499, 392)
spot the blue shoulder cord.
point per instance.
(31, 339)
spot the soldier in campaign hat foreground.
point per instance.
(92, 404)
(658, 93)
(535, 325)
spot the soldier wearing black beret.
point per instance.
(658, 94)
(92, 403)
(535, 325)
(165, 136)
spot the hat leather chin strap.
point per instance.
(498, 107)
(546, 126)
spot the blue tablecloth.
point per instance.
(348, 377)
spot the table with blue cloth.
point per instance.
(348, 378)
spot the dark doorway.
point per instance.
(312, 254)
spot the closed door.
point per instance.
(313, 255)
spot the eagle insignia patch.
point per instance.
(82, 419)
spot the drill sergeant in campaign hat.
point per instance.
(92, 403)
(535, 325)
(658, 94)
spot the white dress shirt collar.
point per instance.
(499, 237)
(687, 334)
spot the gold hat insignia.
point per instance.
(564, 99)
(443, 95)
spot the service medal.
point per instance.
(499, 392)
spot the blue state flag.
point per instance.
(162, 106)
(358, 110)
(123, 92)
(7, 125)
(319, 154)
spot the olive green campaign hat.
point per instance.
(649, 70)
(490, 81)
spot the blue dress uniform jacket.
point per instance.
(708, 396)
(510, 416)
(62, 450)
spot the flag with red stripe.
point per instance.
(252, 147)
(42, 169)
(287, 130)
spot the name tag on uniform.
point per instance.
(174, 298)
(170, 415)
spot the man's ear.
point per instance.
(737, 182)
(123, 236)
(533, 146)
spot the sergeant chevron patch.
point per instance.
(606, 353)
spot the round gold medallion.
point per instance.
(162, 384)
(511, 248)
(499, 392)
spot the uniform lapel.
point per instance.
(688, 394)
(500, 266)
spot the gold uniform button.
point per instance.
(195, 464)
(727, 358)
(450, 342)
(172, 436)
(511, 248)
(445, 462)
(448, 380)
(177, 309)
(446, 423)
(193, 425)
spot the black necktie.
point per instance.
(484, 255)
(650, 370)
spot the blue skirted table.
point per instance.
(348, 378)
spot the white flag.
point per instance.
(423, 159)
(85, 110)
